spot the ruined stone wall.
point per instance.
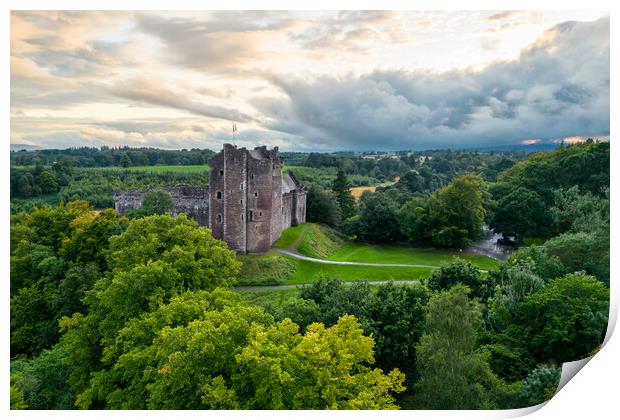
(193, 201)
(190, 200)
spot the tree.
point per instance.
(453, 375)
(47, 182)
(157, 202)
(341, 189)
(213, 350)
(457, 211)
(378, 220)
(24, 186)
(564, 321)
(414, 221)
(322, 207)
(153, 260)
(540, 385)
(125, 160)
(521, 213)
(43, 380)
(463, 272)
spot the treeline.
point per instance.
(95, 186)
(434, 168)
(562, 192)
(89, 157)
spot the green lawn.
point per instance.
(309, 272)
(359, 252)
(289, 236)
(154, 168)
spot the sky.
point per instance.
(308, 81)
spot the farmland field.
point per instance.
(153, 168)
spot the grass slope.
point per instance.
(359, 252)
(309, 272)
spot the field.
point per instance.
(317, 241)
(359, 252)
(358, 191)
(309, 272)
(155, 168)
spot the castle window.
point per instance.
(241, 186)
(252, 176)
(251, 215)
(218, 195)
(256, 194)
(260, 213)
(218, 218)
(242, 217)
(241, 201)
(221, 172)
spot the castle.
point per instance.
(248, 203)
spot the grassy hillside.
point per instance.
(311, 240)
(359, 252)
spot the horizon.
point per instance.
(309, 81)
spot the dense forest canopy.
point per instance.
(136, 311)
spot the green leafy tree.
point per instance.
(43, 380)
(341, 189)
(521, 213)
(463, 272)
(157, 202)
(125, 161)
(322, 207)
(453, 375)
(154, 259)
(540, 385)
(564, 321)
(378, 220)
(158, 361)
(47, 182)
(414, 221)
(457, 211)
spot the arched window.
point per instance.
(218, 218)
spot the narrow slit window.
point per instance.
(221, 172)
(218, 218)
(256, 194)
(260, 213)
(218, 195)
(251, 215)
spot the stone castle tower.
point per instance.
(250, 200)
(248, 203)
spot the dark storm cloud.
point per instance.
(559, 86)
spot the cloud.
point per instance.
(559, 86)
(219, 41)
(149, 90)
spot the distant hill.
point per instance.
(528, 148)
(22, 146)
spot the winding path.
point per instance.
(346, 283)
(317, 260)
